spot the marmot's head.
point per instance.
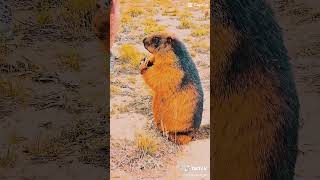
(158, 43)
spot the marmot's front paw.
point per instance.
(144, 65)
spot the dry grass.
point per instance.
(132, 79)
(14, 139)
(135, 11)
(200, 5)
(12, 89)
(185, 13)
(44, 147)
(193, 53)
(170, 11)
(150, 22)
(151, 26)
(126, 19)
(148, 151)
(121, 108)
(151, 11)
(146, 143)
(8, 159)
(163, 3)
(185, 23)
(43, 15)
(43, 18)
(154, 29)
(115, 90)
(75, 16)
(130, 54)
(4, 48)
(71, 59)
(70, 16)
(199, 32)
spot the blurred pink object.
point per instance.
(114, 20)
(101, 22)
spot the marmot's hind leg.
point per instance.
(177, 113)
(180, 138)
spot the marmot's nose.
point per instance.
(144, 40)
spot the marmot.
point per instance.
(254, 105)
(106, 22)
(174, 79)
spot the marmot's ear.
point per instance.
(169, 39)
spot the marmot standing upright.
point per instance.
(174, 79)
(255, 109)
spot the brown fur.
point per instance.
(177, 100)
(101, 26)
(106, 22)
(254, 106)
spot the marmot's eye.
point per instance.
(156, 41)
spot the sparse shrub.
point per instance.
(170, 11)
(149, 22)
(43, 18)
(185, 23)
(12, 89)
(185, 13)
(198, 32)
(163, 3)
(151, 11)
(4, 48)
(116, 109)
(135, 11)
(132, 79)
(146, 143)
(43, 11)
(151, 26)
(115, 90)
(154, 29)
(44, 147)
(75, 17)
(126, 19)
(15, 139)
(200, 4)
(129, 53)
(71, 59)
(8, 159)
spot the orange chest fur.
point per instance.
(164, 78)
